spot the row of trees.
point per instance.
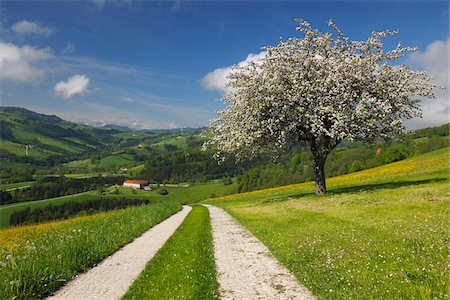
(187, 165)
(71, 208)
(296, 166)
(10, 173)
(50, 187)
(5, 197)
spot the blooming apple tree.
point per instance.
(319, 89)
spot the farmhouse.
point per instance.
(135, 184)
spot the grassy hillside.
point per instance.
(47, 134)
(380, 233)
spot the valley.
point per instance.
(374, 225)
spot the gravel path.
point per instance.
(113, 276)
(245, 267)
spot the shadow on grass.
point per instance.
(358, 189)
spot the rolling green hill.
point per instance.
(47, 135)
(33, 143)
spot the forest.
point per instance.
(191, 165)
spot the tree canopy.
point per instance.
(319, 89)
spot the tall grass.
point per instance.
(184, 268)
(37, 260)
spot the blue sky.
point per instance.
(149, 64)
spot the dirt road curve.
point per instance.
(245, 267)
(112, 277)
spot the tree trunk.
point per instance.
(319, 172)
(320, 151)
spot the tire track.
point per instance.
(245, 267)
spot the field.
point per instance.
(182, 195)
(16, 185)
(80, 163)
(19, 150)
(115, 160)
(37, 260)
(178, 141)
(184, 268)
(135, 170)
(380, 233)
(120, 159)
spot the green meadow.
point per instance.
(381, 233)
(15, 185)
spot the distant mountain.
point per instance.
(177, 130)
(30, 137)
(114, 126)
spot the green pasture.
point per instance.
(378, 234)
(78, 141)
(19, 150)
(190, 194)
(135, 170)
(15, 185)
(60, 144)
(180, 194)
(117, 160)
(138, 135)
(179, 141)
(81, 175)
(21, 133)
(80, 163)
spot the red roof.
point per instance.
(145, 182)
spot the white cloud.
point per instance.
(68, 49)
(434, 60)
(17, 63)
(217, 79)
(126, 100)
(77, 84)
(27, 28)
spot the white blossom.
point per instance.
(322, 88)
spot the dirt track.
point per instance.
(113, 276)
(245, 267)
